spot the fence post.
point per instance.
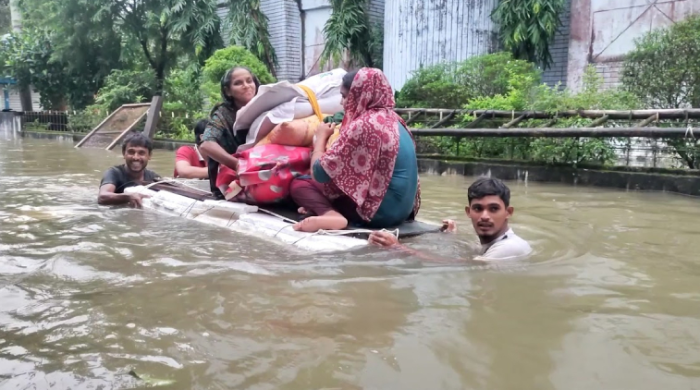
(153, 117)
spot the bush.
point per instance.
(454, 85)
(664, 71)
(664, 68)
(222, 60)
(523, 96)
(126, 87)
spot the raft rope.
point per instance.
(394, 232)
(321, 232)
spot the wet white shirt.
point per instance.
(506, 247)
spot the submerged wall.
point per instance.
(682, 181)
(685, 182)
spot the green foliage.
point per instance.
(248, 26)
(28, 59)
(523, 95)
(527, 27)
(87, 50)
(224, 59)
(126, 87)
(164, 29)
(348, 32)
(376, 45)
(664, 67)
(453, 85)
(664, 72)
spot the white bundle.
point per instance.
(284, 102)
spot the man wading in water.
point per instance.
(489, 209)
(137, 150)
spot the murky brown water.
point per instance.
(610, 300)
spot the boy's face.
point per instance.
(489, 217)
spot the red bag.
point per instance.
(264, 173)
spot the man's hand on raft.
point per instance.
(384, 239)
(387, 239)
(136, 200)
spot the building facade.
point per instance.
(426, 32)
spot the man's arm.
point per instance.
(107, 196)
(186, 171)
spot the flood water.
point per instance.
(609, 300)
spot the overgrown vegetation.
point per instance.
(664, 72)
(452, 85)
(248, 28)
(70, 50)
(350, 37)
(516, 88)
(222, 60)
(527, 27)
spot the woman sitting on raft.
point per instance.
(238, 87)
(369, 176)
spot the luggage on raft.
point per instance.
(280, 152)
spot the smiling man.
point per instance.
(137, 150)
(489, 210)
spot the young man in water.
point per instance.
(136, 150)
(489, 209)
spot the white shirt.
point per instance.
(508, 246)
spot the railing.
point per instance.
(639, 137)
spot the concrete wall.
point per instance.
(603, 31)
(286, 37)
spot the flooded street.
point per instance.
(609, 300)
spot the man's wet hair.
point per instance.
(137, 139)
(199, 129)
(488, 186)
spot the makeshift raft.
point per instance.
(189, 199)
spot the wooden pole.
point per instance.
(596, 132)
(691, 113)
(153, 116)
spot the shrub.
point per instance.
(222, 60)
(523, 96)
(454, 85)
(664, 71)
(126, 87)
(664, 68)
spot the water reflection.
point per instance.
(87, 293)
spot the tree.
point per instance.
(664, 67)
(27, 59)
(164, 29)
(527, 27)
(348, 34)
(248, 28)
(664, 71)
(88, 50)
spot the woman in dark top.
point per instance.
(238, 87)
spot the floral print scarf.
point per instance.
(361, 162)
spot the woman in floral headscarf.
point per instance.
(369, 176)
